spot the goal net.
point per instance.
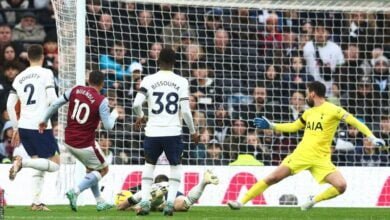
(243, 59)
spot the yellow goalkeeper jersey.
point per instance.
(320, 125)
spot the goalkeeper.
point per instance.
(313, 153)
(159, 192)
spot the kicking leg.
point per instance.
(277, 175)
(91, 179)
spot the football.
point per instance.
(122, 196)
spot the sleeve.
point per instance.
(341, 113)
(351, 120)
(139, 99)
(185, 109)
(49, 87)
(107, 118)
(290, 127)
(11, 102)
(184, 93)
(55, 105)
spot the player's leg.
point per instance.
(43, 150)
(196, 192)
(277, 175)
(292, 164)
(93, 160)
(37, 185)
(173, 148)
(131, 201)
(338, 187)
(152, 150)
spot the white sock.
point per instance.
(137, 196)
(89, 180)
(40, 164)
(37, 185)
(96, 193)
(196, 192)
(147, 180)
(174, 182)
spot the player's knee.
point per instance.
(103, 171)
(181, 205)
(53, 167)
(341, 186)
(272, 179)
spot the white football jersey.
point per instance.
(164, 91)
(30, 86)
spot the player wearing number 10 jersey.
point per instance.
(167, 97)
(86, 108)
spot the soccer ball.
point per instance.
(122, 196)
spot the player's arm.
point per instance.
(11, 102)
(264, 123)
(187, 114)
(351, 120)
(53, 108)
(50, 89)
(138, 101)
(107, 118)
(137, 105)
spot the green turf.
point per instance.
(206, 213)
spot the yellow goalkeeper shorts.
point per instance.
(318, 167)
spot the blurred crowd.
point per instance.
(241, 63)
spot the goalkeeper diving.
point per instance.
(125, 200)
(313, 153)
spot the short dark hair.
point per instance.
(161, 178)
(167, 57)
(317, 87)
(96, 78)
(35, 52)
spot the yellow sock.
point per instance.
(329, 193)
(255, 190)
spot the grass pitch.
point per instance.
(205, 213)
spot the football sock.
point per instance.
(329, 193)
(96, 193)
(89, 180)
(37, 185)
(137, 196)
(147, 180)
(40, 164)
(196, 192)
(254, 191)
(174, 182)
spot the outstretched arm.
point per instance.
(53, 108)
(290, 127)
(107, 118)
(351, 120)
(264, 123)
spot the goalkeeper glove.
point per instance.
(263, 123)
(377, 141)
